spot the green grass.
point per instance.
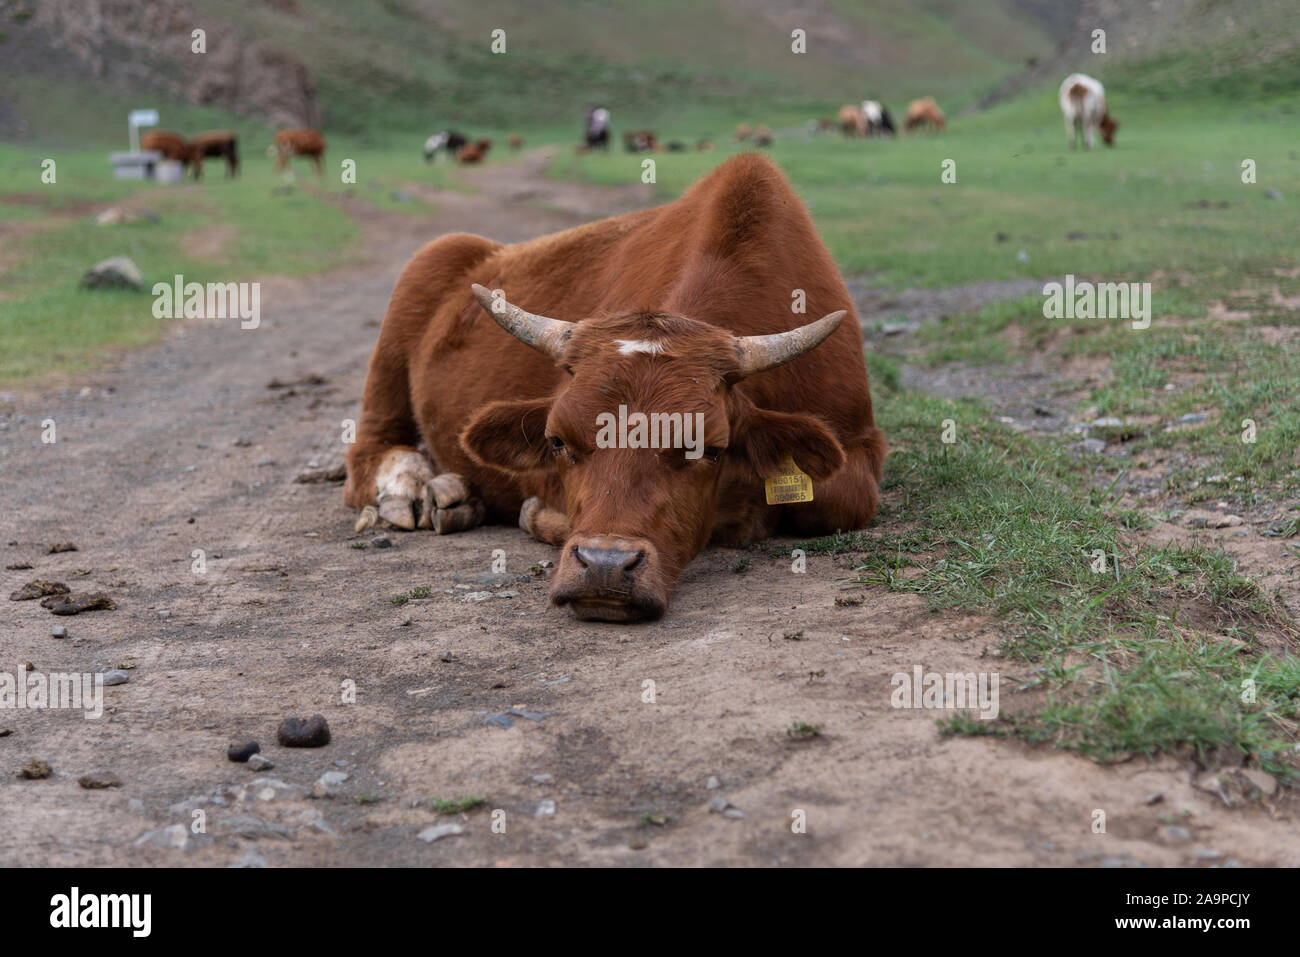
(457, 805)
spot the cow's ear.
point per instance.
(769, 437)
(509, 435)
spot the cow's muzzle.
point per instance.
(608, 578)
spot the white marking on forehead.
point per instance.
(628, 346)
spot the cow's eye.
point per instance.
(713, 453)
(557, 444)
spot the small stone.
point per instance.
(543, 778)
(116, 677)
(258, 762)
(713, 783)
(59, 631)
(733, 812)
(118, 272)
(1273, 193)
(638, 844)
(1205, 854)
(253, 828)
(507, 594)
(297, 733)
(329, 784)
(174, 838)
(1155, 797)
(437, 832)
(718, 804)
(477, 596)
(381, 542)
(529, 715)
(242, 752)
(545, 809)
(1107, 423)
(35, 770)
(1191, 418)
(251, 859)
(1175, 833)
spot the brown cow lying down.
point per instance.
(924, 112)
(174, 147)
(300, 142)
(219, 143)
(500, 371)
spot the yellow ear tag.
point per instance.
(789, 485)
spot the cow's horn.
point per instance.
(757, 353)
(543, 334)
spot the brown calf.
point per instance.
(924, 112)
(219, 143)
(299, 142)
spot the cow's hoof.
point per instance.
(367, 519)
(399, 488)
(458, 518)
(526, 513)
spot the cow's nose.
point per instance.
(608, 564)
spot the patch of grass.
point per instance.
(457, 805)
(802, 731)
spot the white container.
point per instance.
(169, 171)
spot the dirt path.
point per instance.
(184, 447)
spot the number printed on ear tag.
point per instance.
(789, 485)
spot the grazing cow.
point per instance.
(680, 309)
(879, 122)
(852, 120)
(515, 141)
(924, 112)
(448, 140)
(640, 141)
(762, 136)
(218, 143)
(743, 132)
(474, 152)
(1083, 101)
(596, 131)
(173, 146)
(299, 142)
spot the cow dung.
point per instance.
(35, 770)
(39, 589)
(298, 733)
(68, 605)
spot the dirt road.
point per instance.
(624, 736)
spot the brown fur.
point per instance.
(473, 152)
(718, 262)
(853, 122)
(219, 143)
(174, 147)
(924, 112)
(299, 142)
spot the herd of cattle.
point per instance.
(1082, 100)
(222, 143)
